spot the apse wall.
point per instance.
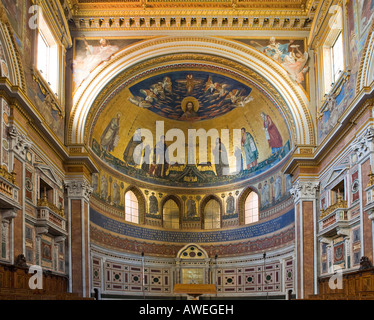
(234, 258)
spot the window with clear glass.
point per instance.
(337, 57)
(332, 50)
(212, 216)
(251, 208)
(48, 55)
(171, 215)
(131, 207)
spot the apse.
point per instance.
(224, 114)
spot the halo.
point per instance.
(195, 102)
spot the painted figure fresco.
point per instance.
(250, 149)
(191, 208)
(272, 134)
(4, 64)
(290, 54)
(109, 138)
(93, 55)
(366, 9)
(295, 64)
(220, 158)
(153, 204)
(15, 12)
(230, 204)
(275, 50)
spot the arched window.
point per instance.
(170, 212)
(251, 208)
(131, 207)
(212, 216)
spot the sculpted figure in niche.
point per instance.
(265, 194)
(103, 188)
(230, 204)
(278, 188)
(191, 208)
(116, 193)
(153, 204)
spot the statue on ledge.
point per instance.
(365, 263)
(21, 261)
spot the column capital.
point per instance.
(305, 190)
(78, 189)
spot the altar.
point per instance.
(194, 291)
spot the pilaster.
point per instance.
(78, 192)
(305, 194)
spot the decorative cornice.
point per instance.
(181, 21)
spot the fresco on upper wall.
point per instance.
(291, 54)
(263, 134)
(90, 53)
(366, 15)
(15, 10)
(360, 17)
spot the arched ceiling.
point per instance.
(230, 84)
